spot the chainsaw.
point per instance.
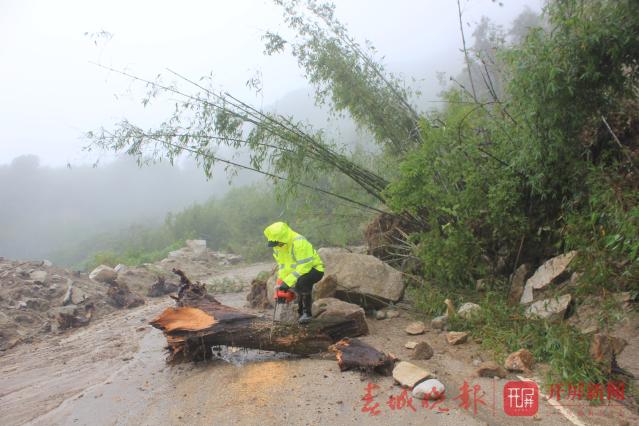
(281, 297)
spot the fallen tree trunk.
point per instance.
(200, 322)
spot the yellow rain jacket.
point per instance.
(296, 257)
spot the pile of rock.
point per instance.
(533, 291)
(196, 250)
(38, 297)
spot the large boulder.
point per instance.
(553, 271)
(103, 274)
(550, 309)
(334, 308)
(362, 278)
(326, 287)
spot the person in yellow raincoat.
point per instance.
(299, 265)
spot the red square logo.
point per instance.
(521, 398)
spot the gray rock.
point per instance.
(120, 268)
(439, 323)
(335, 308)
(431, 389)
(47, 263)
(456, 337)
(517, 283)
(66, 300)
(39, 277)
(415, 328)
(326, 287)
(422, 351)
(468, 310)
(408, 375)
(103, 274)
(380, 315)
(363, 274)
(554, 270)
(392, 313)
(550, 309)
(78, 296)
(410, 345)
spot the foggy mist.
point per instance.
(46, 208)
(53, 95)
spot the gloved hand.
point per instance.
(283, 287)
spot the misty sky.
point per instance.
(50, 93)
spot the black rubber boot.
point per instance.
(307, 303)
(300, 305)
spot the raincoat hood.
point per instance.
(279, 231)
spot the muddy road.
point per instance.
(112, 372)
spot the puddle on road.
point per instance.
(242, 356)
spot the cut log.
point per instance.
(200, 322)
(353, 354)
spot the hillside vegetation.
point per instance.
(534, 153)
